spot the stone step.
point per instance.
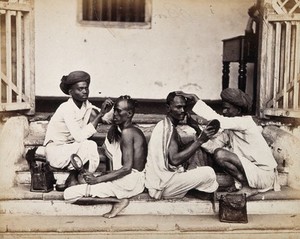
(60, 208)
(224, 180)
(37, 131)
(138, 118)
(148, 227)
(23, 202)
(146, 122)
(38, 124)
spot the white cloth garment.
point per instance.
(59, 155)
(247, 142)
(68, 132)
(70, 124)
(125, 187)
(219, 140)
(165, 180)
(113, 153)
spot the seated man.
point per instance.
(126, 147)
(165, 175)
(246, 155)
(73, 123)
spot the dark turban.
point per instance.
(238, 98)
(72, 78)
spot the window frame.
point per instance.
(114, 24)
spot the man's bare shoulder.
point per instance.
(132, 131)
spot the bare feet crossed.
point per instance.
(117, 207)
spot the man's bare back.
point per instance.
(139, 144)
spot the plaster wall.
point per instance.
(181, 51)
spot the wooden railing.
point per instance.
(280, 60)
(16, 56)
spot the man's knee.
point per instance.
(89, 147)
(219, 153)
(219, 156)
(211, 173)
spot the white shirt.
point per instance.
(245, 136)
(70, 124)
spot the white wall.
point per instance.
(182, 50)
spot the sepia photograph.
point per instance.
(150, 119)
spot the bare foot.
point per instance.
(237, 186)
(117, 207)
(248, 191)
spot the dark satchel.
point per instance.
(233, 208)
(42, 177)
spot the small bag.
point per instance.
(42, 178)
(233, 208)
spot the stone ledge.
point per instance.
(22, 192)
(22, 201)
(148, 227)
(155, 207)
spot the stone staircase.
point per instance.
(20, 201)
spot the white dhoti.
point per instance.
(259, 178)
(59, 155)
(125, 187)
(201, 178)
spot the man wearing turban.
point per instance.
(239, 148)
(73, 123)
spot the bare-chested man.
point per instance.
(165, 175)
(126, 147)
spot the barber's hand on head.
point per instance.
(106, 106)
(191, 98)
